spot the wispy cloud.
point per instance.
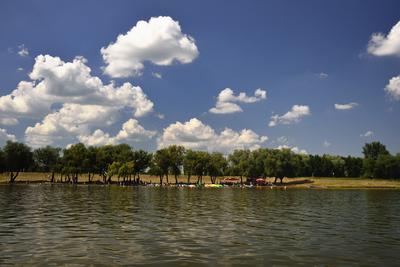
(367, 134)
(23, 51)
(346, 106)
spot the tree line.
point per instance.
(122, 162)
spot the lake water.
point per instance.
(111, 225)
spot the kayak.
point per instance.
(213, 185)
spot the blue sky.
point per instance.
(313, 54)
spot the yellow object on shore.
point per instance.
(213, 185)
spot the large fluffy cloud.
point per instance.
(381, 45)
(293, 116)
(69, 122)
(159, 41)
(194, 134)
(393, 88)
(346, 106)
(58, 82)
(131, 131)
(70, 100)
(5, 136)
(226, 101)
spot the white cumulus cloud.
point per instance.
(226, 101)
(131, 131)
(159, 41)
(346, 106)
(69, 122)
(55, 81)
(194, 134)
(293, 116)
(381, 45)
(393, 88)
(5, 136)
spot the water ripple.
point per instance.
(110, 225)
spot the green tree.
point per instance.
(189, 162)
(141, 162)
(373, 150)
(280, 164)
(17, 158)
(161, 162)
(126, 170)
(90, 161)
(216, 166)
(176, 155)
(113, 169)
(202, 160)
(353, 166)
(74, 161)
(104, 158)
(47, 159)
(239, 163)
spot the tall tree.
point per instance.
(161, 161)
(216, 166)
(141, 162)
(47, 159)
(74, 159)
(189, 162)
(353, 166)
(176, 155)
(373, 150)
(17, 158)
(239, 163)
(202, 159)
(104, 158)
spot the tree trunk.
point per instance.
(188, 179)
(166, 176)
(52, 177)
(241, 179)
(275, 180)
(176, 179)
(213, 179)
(13, 176)
(161, 179)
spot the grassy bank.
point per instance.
(313, 182)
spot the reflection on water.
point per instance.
(110, 225)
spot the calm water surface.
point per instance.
(110, 225)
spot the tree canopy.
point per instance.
(125, 163)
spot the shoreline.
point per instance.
(153, 181)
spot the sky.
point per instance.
(314, 76)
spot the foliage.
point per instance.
(17, 157)
(124, 162)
